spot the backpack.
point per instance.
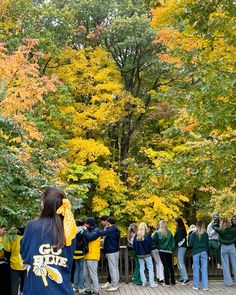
(81, 247)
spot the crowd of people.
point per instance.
(55, 255)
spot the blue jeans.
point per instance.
(79, 280)
(148, 262)
(228, 253)
(203, 258)
(181, 263)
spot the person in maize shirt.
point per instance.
(17, 271)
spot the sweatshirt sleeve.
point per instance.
(191, 239)
(216, 228)
(135, 244)
(91, 235)
(105, 233)
(156, 239)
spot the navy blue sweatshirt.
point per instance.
(143, 248)
(112, 239)
(48, 269)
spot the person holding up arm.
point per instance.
(111, 249)
(227, 236)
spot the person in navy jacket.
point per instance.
(143, 245)
(44, 251)
(111, 248)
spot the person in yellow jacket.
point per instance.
(5, 284)
(91, 233)
(17, 271)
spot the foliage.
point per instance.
(130, 110)
(199, 35)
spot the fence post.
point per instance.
(126, 265)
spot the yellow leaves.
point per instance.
(164, 12)
(158, 157)
(99, 204)
(223, 201)
(151, 208)
(86, 150)
(108, 179)
(89, 71)
(218, 48)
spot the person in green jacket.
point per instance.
(165, 243)
(227, 236)
(199, 242)
(181, 247)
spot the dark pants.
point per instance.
(169, 274)
(17, 279)
(215, 245)
(5, 282)
(136, 275)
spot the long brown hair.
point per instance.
(132, 230)
(201, 228)
(225, 223)
(51, 200)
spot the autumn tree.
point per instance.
(199, 41)
(24, 171)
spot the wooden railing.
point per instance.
(126, 266)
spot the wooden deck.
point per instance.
(215, 287)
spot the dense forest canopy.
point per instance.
(127, 105)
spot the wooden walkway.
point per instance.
(215, 287)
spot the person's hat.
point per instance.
(111, 220)
(90, 221)
(216, 216)
(80, 221)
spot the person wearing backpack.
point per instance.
(80, 250)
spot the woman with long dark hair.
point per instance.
(181, 247)
(48, 245)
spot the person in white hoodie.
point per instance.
(214, 238)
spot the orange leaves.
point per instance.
(22, 83)
(170, 59)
